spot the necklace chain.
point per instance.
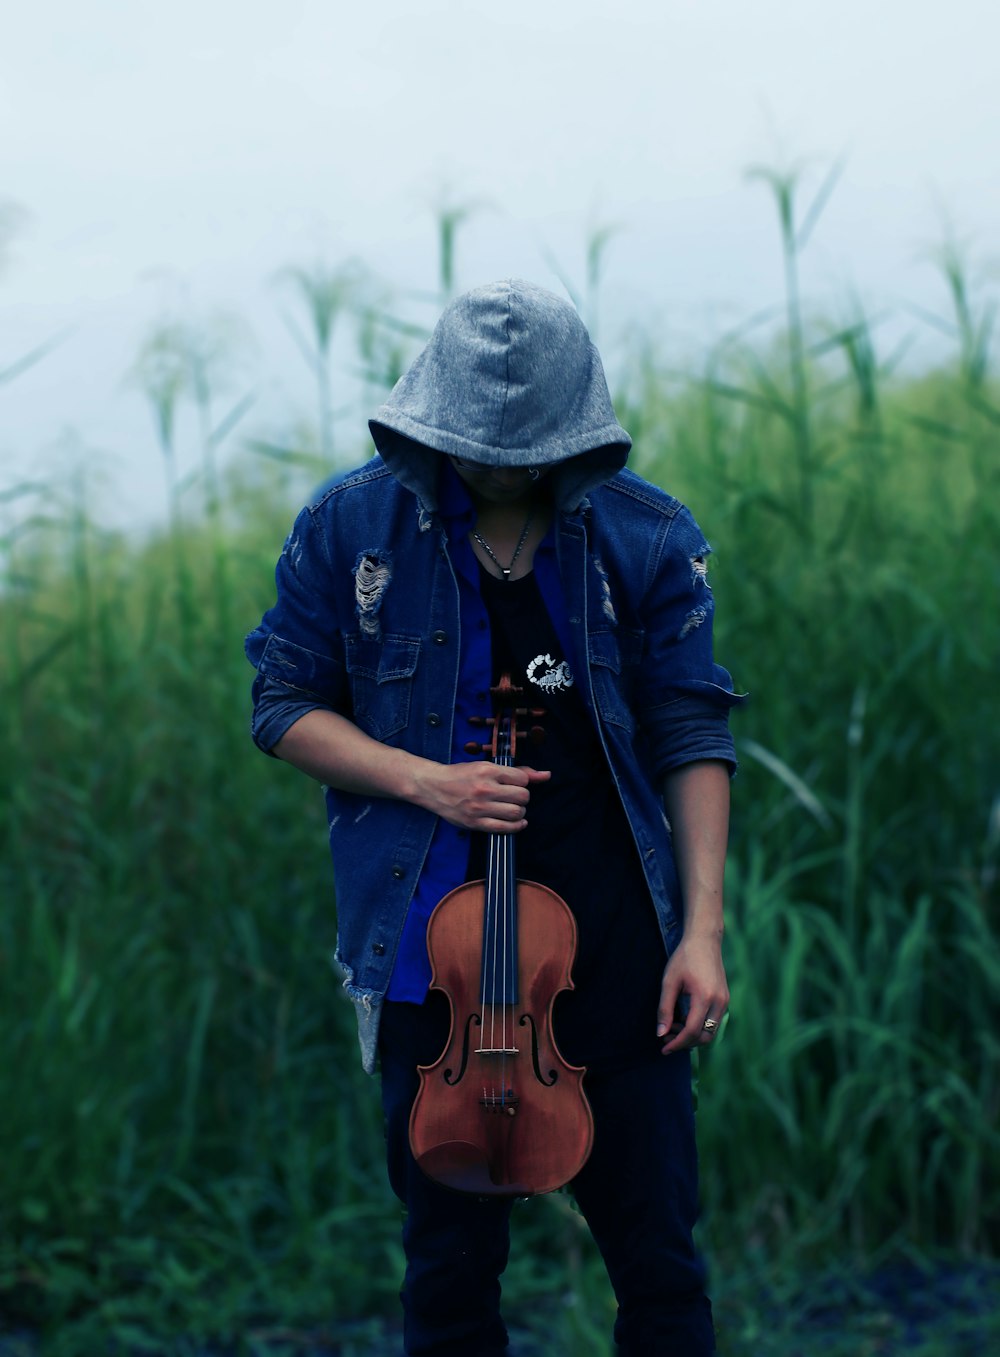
(505, 570)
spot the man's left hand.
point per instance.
(695, 970)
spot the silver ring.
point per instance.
(533, 473)
(709, 1025)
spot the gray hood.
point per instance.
(509, 378)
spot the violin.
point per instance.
(500, 1112)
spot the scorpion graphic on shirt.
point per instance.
(557, 677)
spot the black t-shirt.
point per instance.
(578, 842)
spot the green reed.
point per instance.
(188, 1147)
(862, 944)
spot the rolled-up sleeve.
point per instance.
(297, 649)
(684, 697)
(688, 729)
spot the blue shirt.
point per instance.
(444, 866)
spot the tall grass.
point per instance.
(187, 1147)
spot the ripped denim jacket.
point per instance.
(367, 623)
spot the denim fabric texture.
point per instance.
(638, 614)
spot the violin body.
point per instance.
(501, 1112)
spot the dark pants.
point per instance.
(637, 1191)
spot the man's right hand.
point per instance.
(479, 795)
(482, 796)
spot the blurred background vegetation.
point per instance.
(190, 1157)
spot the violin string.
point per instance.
(491, 990)
(504, 950)
(505, 892)
(486, 926)
(505, 955)
(508, 923)
(498, 968)
(493, 906)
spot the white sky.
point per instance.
(172, 158)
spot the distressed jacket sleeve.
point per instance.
(297, 649)
(684, 696)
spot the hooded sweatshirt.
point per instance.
(509, 378)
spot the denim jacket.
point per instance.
(367, 624)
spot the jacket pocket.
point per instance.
(381, 672)
(612, 672)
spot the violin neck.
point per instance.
(499, 967)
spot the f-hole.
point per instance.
(527, 1020)
(450, 1079)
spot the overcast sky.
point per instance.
(173, 158)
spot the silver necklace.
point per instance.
(505, 570)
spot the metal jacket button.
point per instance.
(378, 948)
(433, 719)
(439, 637)
(398, 873)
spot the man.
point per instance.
(497, 531)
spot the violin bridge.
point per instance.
(496, 1050)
